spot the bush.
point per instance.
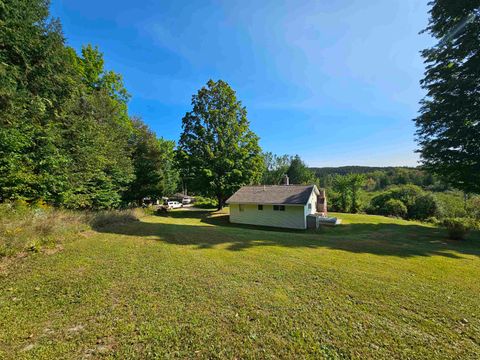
(394, 207)
(424, 207)
(205, 203)
(458, 228)
(110, 217)
(419, 204)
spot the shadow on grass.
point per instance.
(380, 239)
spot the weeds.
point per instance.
(25, 228)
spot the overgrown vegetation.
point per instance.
(37, 227)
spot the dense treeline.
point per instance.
(65, 133)
(380, 178)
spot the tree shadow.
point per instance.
(214, 230)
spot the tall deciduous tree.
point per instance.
(217, 150)
(449, 124)
(341, 184)
(355, 181)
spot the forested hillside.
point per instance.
(65, 133)
(379, 178)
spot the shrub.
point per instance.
(457, 228)
(109, 217)
(419, 204)
(205, 203)
(394, 207)
(424, 207)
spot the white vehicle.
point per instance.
(174, 205)
(186, 201)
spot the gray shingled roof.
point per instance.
(272, 194)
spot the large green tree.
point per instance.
(299, 173)
(64, 126)
(218, 152)
(96, 133)
(449, 122)
(355, 181)
(155, 174)
(35, 80)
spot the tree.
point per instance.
(155, 175)
(449, 123)
(276, 166)
(341, 184)
(35, 80)
(96, 130)
(355, 181)
(217, 150)
(299, 173)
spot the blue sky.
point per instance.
(335, 81)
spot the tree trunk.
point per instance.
(220, 202)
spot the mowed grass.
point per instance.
(190, 285)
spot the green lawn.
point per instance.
(192, 286)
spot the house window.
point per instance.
(279, 207)
(310, 206)
(260, 207)
(241, 207)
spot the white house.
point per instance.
(285, 206)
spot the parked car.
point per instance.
(186, 201)
(174, 204)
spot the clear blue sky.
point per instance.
(335, 81)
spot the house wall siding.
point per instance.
(293, 217)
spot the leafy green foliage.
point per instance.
(425, 206)
(275, 168)
(347, 189)
(419, 204)
(394, 207)
(218, 153)
(65, 133)
(299, 173)
(341, 186)
(448, 126)
(155, 175)
(457, 228)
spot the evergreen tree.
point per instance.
(35, 81)
(449, 123)
(155, 175)
(217, 150)
(299, 173)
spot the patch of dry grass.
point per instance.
(31, 229)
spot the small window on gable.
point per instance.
(241, 207)
(309, 206)
(260, 207)
(279, 207)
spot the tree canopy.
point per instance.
(65, 132)
(449, 122)
(218, 152)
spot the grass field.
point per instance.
(189, 285)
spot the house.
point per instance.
(285, 206)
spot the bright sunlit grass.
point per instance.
(190, 285)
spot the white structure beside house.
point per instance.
(285, 206)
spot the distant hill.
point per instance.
(343, 170)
